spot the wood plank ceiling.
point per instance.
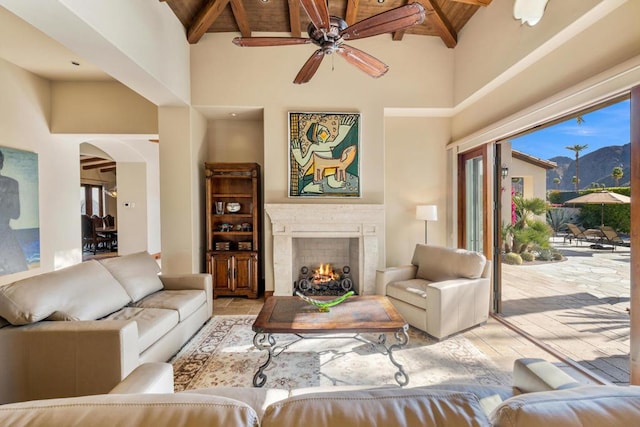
(444, 19)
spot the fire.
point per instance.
(324, 274)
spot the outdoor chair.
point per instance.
(611, 236)
(590, 235)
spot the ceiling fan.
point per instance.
(330, 32)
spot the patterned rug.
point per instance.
(222, 354)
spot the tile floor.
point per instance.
(498, 342)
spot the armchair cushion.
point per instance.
(436, 263)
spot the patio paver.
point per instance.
(577, 307)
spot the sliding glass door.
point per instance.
(472, 202)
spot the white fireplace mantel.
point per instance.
(362, 221)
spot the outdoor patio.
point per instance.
(577, 307)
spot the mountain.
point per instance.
(595, 167)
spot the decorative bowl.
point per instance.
(233, 207)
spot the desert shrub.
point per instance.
(558, 218)
(527, 256)
(557, 256)
(545, 254)
(512, 258)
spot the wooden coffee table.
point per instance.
(358, 314)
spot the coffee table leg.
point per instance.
(259, 339)
(403, 338)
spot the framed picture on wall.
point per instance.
(324, 154)
(19, 211)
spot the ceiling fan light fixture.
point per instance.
(529, 11)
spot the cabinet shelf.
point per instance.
(232, 257)
(232, 195)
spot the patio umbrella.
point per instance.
(602, 198)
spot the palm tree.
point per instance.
(617, 173)
(577, 149)
(556, 181)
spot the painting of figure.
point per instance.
(324, 154)
(19, 212)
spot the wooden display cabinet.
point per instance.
(233, 227)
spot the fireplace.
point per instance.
(337, 234)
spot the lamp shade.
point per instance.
(427, 212)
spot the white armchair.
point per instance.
(443, 291)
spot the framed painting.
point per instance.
(324, 154)
(19, 211)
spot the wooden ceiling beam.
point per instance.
(352, 11)
(99, 165)
(111, 169)
(92, 160)
(441, 23)
(294, 18)
(475, 2)
(240, 14)
(204, 19)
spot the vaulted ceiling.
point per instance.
(444, 18)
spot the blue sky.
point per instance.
(601, 128)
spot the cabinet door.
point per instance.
(246, 271)
(221, 270)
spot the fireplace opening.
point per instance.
(324, 281)
(315, 255)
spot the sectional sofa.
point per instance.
(82, 329)
(542, 395)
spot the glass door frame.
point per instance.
(462, 197)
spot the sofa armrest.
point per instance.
(393, 274)
(202, 281)
(153, 377)
(75, 358)
(531, 375)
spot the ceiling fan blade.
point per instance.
(386, 22)
(318, 12)
(310, 67)
(365, 62)
(269, 41)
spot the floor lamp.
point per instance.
(426, 213)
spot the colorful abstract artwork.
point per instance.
(19, 211)
(324, 153)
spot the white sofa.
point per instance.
(541, 395)
(82, 329)
(443, 291)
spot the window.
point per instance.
(92, 200)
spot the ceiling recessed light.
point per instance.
(380, 1)
(76, 63)
(233, 114)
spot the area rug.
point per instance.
(222, 354)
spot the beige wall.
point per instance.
(25, 111)
(535, 178)
(100, 108)
(608, 42)
(132, 212)
(414, 175)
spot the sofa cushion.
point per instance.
(258, 398)
(185, 302)
(576, 407)
(137, 273)
(377, 407)
(140, 410)
(153, 323)
(85, 291)
(436, 263)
